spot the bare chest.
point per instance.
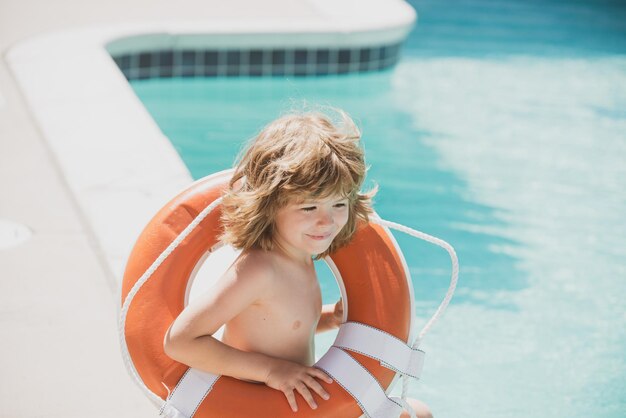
(294, 304)
(284, 321)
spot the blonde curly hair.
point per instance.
(296, 157)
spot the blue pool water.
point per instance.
(502, 131)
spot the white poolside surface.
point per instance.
(59, 279)
(59, 355)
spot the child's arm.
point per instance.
(331, 317)
(189, 339)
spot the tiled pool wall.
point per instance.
(255, 62)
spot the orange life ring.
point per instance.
(375, 279)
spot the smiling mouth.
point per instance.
(319, 237)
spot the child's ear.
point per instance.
(238, 185)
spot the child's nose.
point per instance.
(325, 218)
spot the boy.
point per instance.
(294, 195)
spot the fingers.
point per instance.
(320, 374)
(291, 398)
(306, 394)
(302, 388)
(301, 380)
(313, 384)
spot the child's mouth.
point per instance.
(319, 237)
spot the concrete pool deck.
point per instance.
(58, 296)
(59, 286)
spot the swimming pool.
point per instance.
(502, 132)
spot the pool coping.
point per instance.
(117, 163)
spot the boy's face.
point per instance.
(308, 228)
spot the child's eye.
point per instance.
(340, 205)
(309, 208)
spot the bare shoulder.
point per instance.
(253, 273)
(252, 266)
(245, 283)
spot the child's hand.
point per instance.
(338, 312)
(286, 376)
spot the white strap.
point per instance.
(407, 407)
(189, 393)
(359, 383)
(168, 411)
(391, 351)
